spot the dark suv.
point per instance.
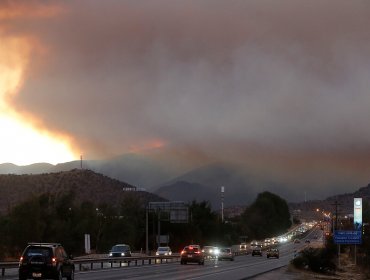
(192, 253)
(45, 261)
(120, 250)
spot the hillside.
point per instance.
(345, 204)
(85, 184)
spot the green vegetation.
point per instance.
(267, 216)
(64, 219)
(317, 259)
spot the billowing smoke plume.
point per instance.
(277, 85)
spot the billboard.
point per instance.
(357, 213)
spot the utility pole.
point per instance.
(336, 204)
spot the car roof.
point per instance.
(44, 244)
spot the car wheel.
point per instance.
(72, 276)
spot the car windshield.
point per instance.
(163, 249)
(191, 249)
(120, 248)
(226, 250)
(36, 251)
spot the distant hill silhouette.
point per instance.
(345, 203)
(85, 184)
(178, 178)
(205, 183)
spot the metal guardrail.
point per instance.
(130, 261)
(7, 265)
(82, 264)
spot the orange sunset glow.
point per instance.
(20, 142)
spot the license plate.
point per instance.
(36, 274)
(190, 256)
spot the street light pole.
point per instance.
(222, 203)
(146, 233)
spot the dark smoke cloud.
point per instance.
(265, 83)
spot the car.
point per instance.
(297, 241)
(243, 247)
(45, 261)
(272, 253)
(210, 252)
(120, 250)
(163, 251)
(257, 250)
(307, 241)
(192, 254)
(226, 254)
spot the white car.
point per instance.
(163, 251)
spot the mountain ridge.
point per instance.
(85, 184)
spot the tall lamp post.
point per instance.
(222, 203)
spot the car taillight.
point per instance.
(182, 252)
(197, 252)
(21, 259)
(54, 261)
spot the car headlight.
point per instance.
(110, 254)
(217, 251)
(122, 254)
(157, 254)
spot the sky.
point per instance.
(281, 87)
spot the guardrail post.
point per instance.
(3, 271)
(135, 262)
(80, 266)
(101, 265)
(92, 266)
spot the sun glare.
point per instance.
(20, 142)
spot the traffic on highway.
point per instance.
(51, 261)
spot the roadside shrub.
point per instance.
(317, 260)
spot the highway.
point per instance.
(244, 267)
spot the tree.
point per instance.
(267, 216)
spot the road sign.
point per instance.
(347, 237)
(177, 211)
